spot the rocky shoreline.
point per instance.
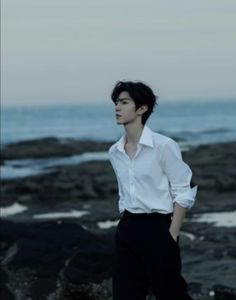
(68, 254)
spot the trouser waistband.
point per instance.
(127, 213)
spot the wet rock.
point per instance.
(89, 291)
(54, 255)
(224, 292)
(208, 161)
(60, 260)
(92, 180)
(51, 147)
(4, 290)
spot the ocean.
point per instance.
(190, 122)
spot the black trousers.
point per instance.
(147, 257)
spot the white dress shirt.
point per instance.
(155, 178)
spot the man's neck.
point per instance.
(133, 133)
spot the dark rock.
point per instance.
(195, 288)
(224, 292)
(87, 261)
(2, 161)
(55, 253)
(42, 287)
(51, 147)
(89, 291)
(62, 261)
(36, 253)
(94, 180)
(5, 293)
(208, 161)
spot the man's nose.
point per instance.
(118, 105)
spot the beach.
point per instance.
(64, 68)
(59, 212)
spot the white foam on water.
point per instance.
(211, 293)
(188, 235)
(9, 172)
(58, 215)
(219, 219)
(107, 224)
(12, 210)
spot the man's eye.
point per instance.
(124, 102)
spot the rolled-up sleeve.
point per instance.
(179, 175)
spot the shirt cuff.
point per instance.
(186, 199)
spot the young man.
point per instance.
(154, 194)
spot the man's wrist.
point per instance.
(174, 234)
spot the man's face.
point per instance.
(125, 109)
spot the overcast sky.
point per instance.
(73, 51)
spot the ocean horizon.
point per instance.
(190, 122)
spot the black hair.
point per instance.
(139, 92)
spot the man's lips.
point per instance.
(117, 115)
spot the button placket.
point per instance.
(132, 189)
(132, 185)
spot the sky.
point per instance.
(73, 51)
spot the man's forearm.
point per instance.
(177, 220)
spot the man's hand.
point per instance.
(174, 235)
(177, 219)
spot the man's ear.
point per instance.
(142, 109)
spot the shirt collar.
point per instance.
(145, 139)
